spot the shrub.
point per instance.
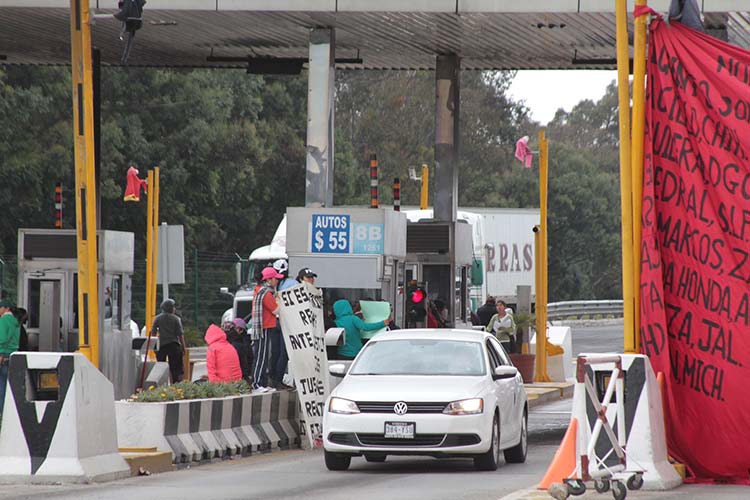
(190, 390)
(194, 338)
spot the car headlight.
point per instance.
(465, 407)
(340, 405)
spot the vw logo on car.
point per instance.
(400, 408)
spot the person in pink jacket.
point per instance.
(222, 362)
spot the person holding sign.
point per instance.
(306, 275)
(265, 313)
(353, 327)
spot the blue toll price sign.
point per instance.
(330, 233)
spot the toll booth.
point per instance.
(48, 289)
(439, 256)
(357, 253)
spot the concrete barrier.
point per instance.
(58, 422)
(205, 429)
(559, 367)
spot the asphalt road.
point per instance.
(598, 338)
(302, 474)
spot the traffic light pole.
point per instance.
(83, 126)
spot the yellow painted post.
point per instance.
(83, 139)
(540, 374)
(626, 181)
(155, 232)
(539, 360)
(639, 104)
(149, 251)
(424, 196)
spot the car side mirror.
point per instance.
(505, 372)
(337, 369)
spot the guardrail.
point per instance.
(584, 308)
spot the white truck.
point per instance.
(503, 242)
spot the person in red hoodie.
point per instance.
(222, 361)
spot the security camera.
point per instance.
(536, 229)
(413, 174)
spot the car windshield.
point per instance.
(420, 357)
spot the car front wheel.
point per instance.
(337, 461)
(490, 459)
(517, 454)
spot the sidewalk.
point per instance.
(540, 393)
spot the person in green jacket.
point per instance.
(353, 326)
(503, 326)
(9, 333)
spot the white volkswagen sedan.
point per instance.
(439, 393)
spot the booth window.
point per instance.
(116, 297)
(32, 302)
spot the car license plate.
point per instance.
(399, 430)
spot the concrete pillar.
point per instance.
(447, 98)
(320, 113)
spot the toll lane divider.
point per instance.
(205, 429)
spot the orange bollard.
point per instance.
(564, 462)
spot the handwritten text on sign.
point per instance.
(695, 249)
(301, 315)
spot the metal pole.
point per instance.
(626, 184)
(83, 126)
(541, 335)
(165, 267)
(397, 194)
(541, 327)
(96, 58)
(149, 250)
(195, 287)
(639, 103)
(424, 194)
(155, 231)
(373, 181)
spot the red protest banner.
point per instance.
(695, 281)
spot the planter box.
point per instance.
(204, 429)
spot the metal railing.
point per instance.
(584, 309)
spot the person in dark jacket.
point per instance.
(168, 326)
(487, 311)
(236, 335)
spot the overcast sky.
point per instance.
(546, 91)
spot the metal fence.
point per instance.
(585, 308)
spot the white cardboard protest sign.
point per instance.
(301, 315)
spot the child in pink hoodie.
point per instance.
(222, 361)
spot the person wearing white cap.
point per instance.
(283, 268)
(265, 315)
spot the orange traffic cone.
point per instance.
(564, 462)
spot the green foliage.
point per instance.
(190, 390)
(231, 148)
(194, 338)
